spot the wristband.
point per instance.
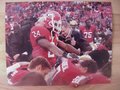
(65, 54)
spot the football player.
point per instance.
(44, 38)
(76, 73)
(71, 35)
(67, 72)
(89, 32)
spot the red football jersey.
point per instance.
(98, 78)
(95, 78)
(17, 75)
(36, 33)
(88, 34)
(65, 73)
(18, 71)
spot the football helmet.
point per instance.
(52, 19)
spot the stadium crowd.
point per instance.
(100, 13)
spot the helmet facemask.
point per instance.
(55, 22)
(57, 26)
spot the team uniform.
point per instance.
(40, 32)
(88, 35)
(16, 72)
(65, 73)
(68, 74)
(98, 78)
(51, 20)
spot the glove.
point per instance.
(58, 62)
(69, 55)
(79, 80)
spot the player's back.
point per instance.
(17, 71)
(98, 78)
(65, 73)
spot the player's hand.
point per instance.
(16, 56)
(73, 42)
(58, 62)
(80, 80)
(70, 55)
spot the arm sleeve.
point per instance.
(15, 43)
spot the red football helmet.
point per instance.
(52, 19)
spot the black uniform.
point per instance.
(80, 41)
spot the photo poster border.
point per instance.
(74, 22)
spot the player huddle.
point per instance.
(55, 62)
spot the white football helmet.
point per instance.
(52, 19)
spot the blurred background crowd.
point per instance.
(99, 13)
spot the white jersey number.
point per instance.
(88, 34)
(50, 54)
(36, 33)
